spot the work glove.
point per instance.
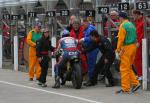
(117, 56)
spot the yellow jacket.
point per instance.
(126, 35)
(31, 43)
(29, 39)
(121, 36)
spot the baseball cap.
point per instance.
(123, 14)
(38, 24)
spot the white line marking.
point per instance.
(50, 92)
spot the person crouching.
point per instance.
(104, 63)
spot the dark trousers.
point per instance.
(61, 66)
(44, 68)
(104, 68)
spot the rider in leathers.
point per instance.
(66, 44)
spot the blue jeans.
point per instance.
(91, 59)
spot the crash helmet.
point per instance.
(65, 33)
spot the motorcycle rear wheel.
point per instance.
(77, 76)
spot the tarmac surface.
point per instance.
(16, 88)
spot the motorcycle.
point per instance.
(72, 71)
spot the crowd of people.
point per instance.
(125, 46)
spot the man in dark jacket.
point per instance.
(108, 55)
(42, 48)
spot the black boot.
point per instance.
(57, 82)
(110, 83)
(63, 79)
(94, 82)
(89, 83)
